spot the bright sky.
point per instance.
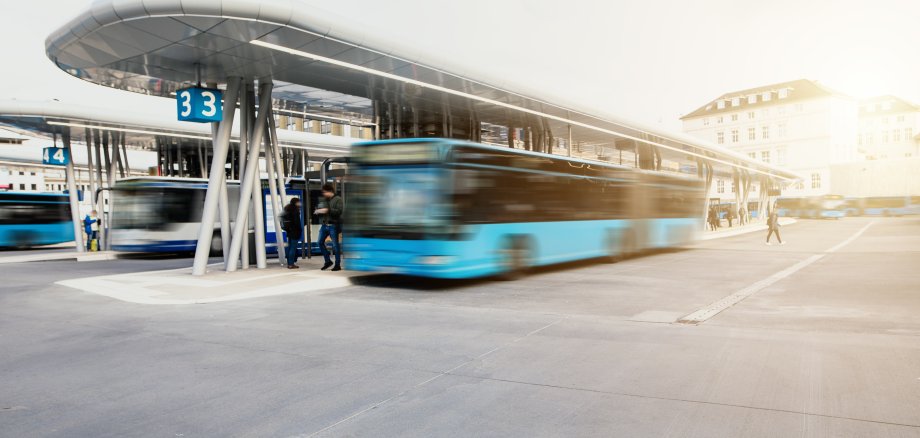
(649, 61)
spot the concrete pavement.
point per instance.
(588, 349)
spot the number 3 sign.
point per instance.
(199, 105)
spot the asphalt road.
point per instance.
(824, 340)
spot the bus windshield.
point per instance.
(405, 199)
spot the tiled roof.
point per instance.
(791, 91)
(886, 104)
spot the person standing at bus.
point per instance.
(773, 227)
(91, 227)
(742, 216)
(291, 224)
(712, 219)
(332, 227)
(730, 214)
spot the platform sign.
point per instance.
(198, 104)
(55, 156)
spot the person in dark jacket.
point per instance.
(291, 224)
(331, 211)
(773, 227)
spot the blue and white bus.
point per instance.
(816, 207)
(453, 209)
(30, 219)
(884, 206)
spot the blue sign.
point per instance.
(198, 104)
(55, 156)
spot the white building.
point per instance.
(889, 127)
(800, 125)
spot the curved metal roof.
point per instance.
(49, 117)
(320, 61)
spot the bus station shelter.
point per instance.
(281, 55)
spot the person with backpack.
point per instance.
(773, 227)
(91, 227)
(332, 226)
(291, 224)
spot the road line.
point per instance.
(717, 307)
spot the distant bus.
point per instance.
(817, 207)
(453, 209)
(163, 214)
(884, 206)
(30, 219)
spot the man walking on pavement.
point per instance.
(332, 211)
(773, 227)
(291, 224)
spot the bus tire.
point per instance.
(515, 255)
(24, 239)
(615, 248)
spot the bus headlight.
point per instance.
(435, 260)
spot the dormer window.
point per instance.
(783, 93)
(752, 98)
(766, 96)
(720, 104)
(736, 101)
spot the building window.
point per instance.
(751, 115)
(799, 107)
(886, 106)
(816, 180)
(885, 136)
(901, 118)
(752, 134)
(859, 140)
(720, 137)
(736, 101)
(765, 112)
(752, 98)
(325, 127)
(783, 93)
(720, 104)
(908, 133)
(753, 155)
(765, 132)
(765, 156)
(885, 120)
(870, 138)
(705, 121)
(781, 156)
(734, 117)
(781, 110)
(896, 135)
(766, 97)
(781, 130)
(34, 187)
(22, 186)
(720, 186)
(734, 136)
(719, 120)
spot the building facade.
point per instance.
(800, 125)
(889, 128)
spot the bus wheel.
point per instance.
(23, 239)
(615, 249)
(515, 258)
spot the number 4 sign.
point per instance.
(198, 104)
(55, 156)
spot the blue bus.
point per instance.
(453, 209)
(884, 206)
(30, 219)
(817, 207)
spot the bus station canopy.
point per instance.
(322, 63)
(45, 118)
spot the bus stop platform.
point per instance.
(179, 286)
(750, 227)
(47, 255)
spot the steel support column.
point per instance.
(248, 181)
(215, 180)
(72, 194)
(270, 167)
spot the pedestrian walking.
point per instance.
(730, 214)
(773, 227)
(292, 225)
(742, 216)
(331, 212)
(711, 219)
(91, 227)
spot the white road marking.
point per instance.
(715, 308)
